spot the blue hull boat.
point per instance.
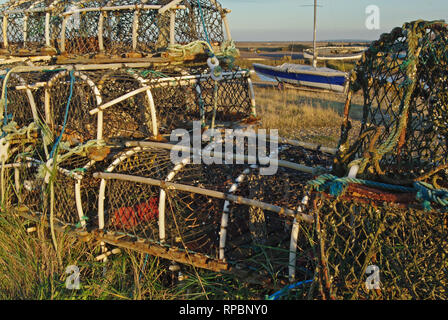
(304, 75)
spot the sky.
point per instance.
(292, 20)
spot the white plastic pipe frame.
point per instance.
(54, 11)
(77, 178)
(146, 86)
(28, 163)
(35, 7)
(146, 146)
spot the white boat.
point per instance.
(305, 75)
(336, 53)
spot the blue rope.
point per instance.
(5, 119)
(428, 194)
(67, 107)
(337, 186)
(144, 266)
(425, 192)
(203, 22)
(285, 290)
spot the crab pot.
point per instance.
(194, 219)
(71, 93)
(135, 103)
(368, 232)
(23, 186)
(110, 28)
(23, 106)
(402, 78)
(193, 98)
(76, 191)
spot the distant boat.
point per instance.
(336, 53)
(304, 75)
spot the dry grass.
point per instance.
(30, 269)
(307, 116)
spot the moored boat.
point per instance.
(304, 75)
(335, 53)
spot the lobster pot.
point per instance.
(403, 81)
(74, 94)
(111, 28)
(378, 245)
(129, 118)
(23, 186)
(130, 207)
(76, 191)
(193, 215)
(22, 102)
(26, 24)
(233, 97)
(193, 98)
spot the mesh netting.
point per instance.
(403, 134)
(23, 187)
(173, 100)
(76, 191)
(409, 246)
(112, 28)
(255, 238)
